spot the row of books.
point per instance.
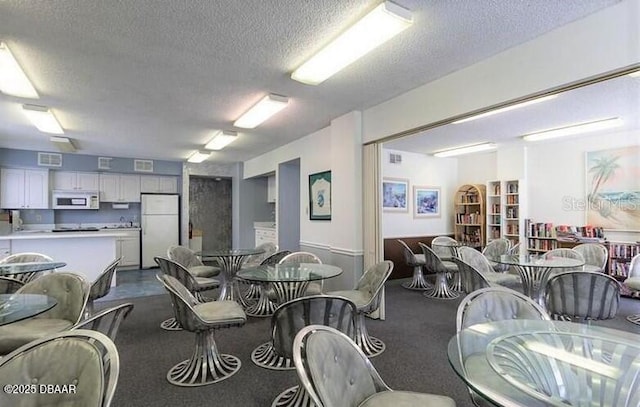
(470, 198)
(512, 188)
(512, 213)
(495, 208)
(542, 244)
(623, 250)
(474, 218)
(512, 199)
(539, 229)
(619, 268)
(513, 229)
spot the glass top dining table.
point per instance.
(29, 267)
(16, 307)
(548, 363)
(230, 261)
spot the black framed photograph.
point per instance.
(320, 196)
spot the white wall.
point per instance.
(421, 170)
(477, 168)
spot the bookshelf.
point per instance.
(541, 237)
(505, 210)
(470, 215)
(620, 255)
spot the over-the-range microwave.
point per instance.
(76, 200)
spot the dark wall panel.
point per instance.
(210, 211)
(393, 252)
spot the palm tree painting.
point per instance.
(613, 188)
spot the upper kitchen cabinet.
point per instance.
(119, 188)
(271, 188)
(158, 184)
(22, 188)
(75, 181)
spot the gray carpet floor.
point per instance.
(416, 332)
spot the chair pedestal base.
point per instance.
(441, 289)
(634, 319)
(171, 324)
(206, 365)
(370, 346)
(418, 281)
(295, 396)
(266, 357)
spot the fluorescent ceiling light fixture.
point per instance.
(221, 140)
(506, 109)
(198, 156)
(42, 118)
(13, 80)
(465, 150)
(261, 111)
(64, 144)
(374, 29)
(575, 129)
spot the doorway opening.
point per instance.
(210, 211)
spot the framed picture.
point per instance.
(395, 195)
(612, 189)
(320, 196)
(426, 202)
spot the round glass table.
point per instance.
(230, 261)
(29, 267)
(16, 307)
(289, 281)
(548, 363)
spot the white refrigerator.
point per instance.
(160, 223)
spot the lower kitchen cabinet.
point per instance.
(128, 247)
(266, 236)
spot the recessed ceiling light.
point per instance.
(64, 144)
(42, 118)
(198, 156)
(13, 80)
(574, 129)
(261, 111)
(465, 150)
(506, 109)
(221, 140)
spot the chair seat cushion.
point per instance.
(397, 398)
(358, 297)
(633, 283)
(220, 312)
(451, 266)
(205, 283)
(14, 335)
(204, 271)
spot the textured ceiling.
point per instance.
(153, 79)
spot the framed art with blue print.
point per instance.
(320, 196)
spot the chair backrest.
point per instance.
(87, 360)
(300, 257)
(515, 249)
(333, 369)
(476, 259)
(182, 301)
(432, 261)
(290, 317)
(634, 267)
(472, 279)
(26, 257)
(563, 252)
(371, 283)
(439, 246)
(102, 285)
(256, 259)
(496, 304)
(274, 258)
(497, 247)
(70, 290)
(9, 285)
(582, 295)
(177, 271)
(183, 256)
(106, 321)
(595, 254)
(409, 255)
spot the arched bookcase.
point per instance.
(470, 215)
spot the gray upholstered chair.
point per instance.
(187, 258)
(87, 360)
(265, 305)
(194, 284)
(70, 291)
(483, 266)
(632, 282)
(594, 254)
(471, 278)
(582, 296)
(367, 296)
(277, 354)
(313, 288)
(434, 264)
(495, 249)
(494, 304)
(9, 285)
(26, 257)
(207, 365)
(336, 373)
(515, 249)
(101, 286)
(107, 320)
(415, 261)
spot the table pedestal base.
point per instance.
(264, 307)
(441, 288)
(634, 319)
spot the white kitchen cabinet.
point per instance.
(75, 181)
(128, 247)
(264, 235)
(271, 189)
(158, 184)
(22, 188)
(119, 188)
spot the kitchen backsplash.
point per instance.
(106, 214)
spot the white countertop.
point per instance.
(47, 234)
(264, 225)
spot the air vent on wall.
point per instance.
(395, 158)
(50, 159)
(104, 163)
(143, 165)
